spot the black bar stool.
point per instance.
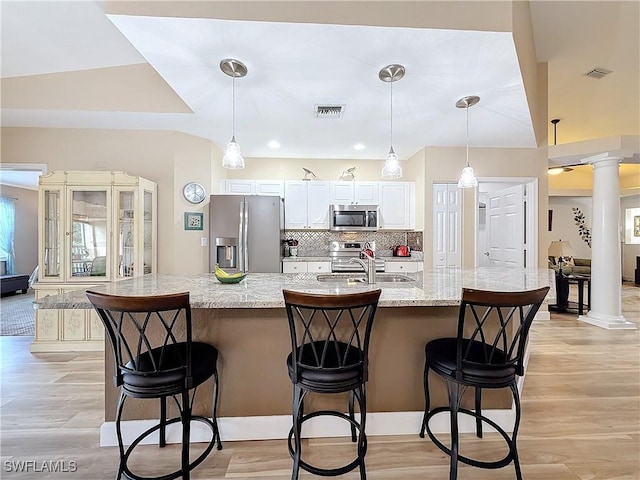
(329, 354)
(487, 352)
(155, 358)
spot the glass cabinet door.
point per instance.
(148, 232)
(51, 234)
(126, 234)
(89, 234)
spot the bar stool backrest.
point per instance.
(330, 332)
(500, 321)
(144, 332)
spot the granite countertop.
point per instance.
(436, 287)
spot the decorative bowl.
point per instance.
(237, 279)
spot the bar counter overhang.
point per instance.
(247, 323)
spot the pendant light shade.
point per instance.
(467, 177)
(391, 73)
(232, 157)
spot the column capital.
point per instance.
(603, 159)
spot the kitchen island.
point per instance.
(247, 323)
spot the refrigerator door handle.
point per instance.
(245, 240)
(240, 237)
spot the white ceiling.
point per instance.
(293, 66)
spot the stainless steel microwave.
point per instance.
(354, 218)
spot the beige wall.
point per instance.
(26, 228)
(325, 169)
(170, 159)
(443, 165)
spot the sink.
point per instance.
(355, 278)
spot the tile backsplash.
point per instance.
(316, 243)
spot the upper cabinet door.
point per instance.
(295, 204)
(240, 187)
(366, 193)
(51, 233)
(397, 205)
(270, 187)
(318, 205)
(342, 193)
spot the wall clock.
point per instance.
(193, 192)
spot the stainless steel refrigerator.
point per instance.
(245, 233)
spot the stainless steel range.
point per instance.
(342, 252)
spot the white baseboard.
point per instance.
(277, 427)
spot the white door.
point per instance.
(506, 227)
(447, 209)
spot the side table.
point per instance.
(562, 294)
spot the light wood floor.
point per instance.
(581, 417)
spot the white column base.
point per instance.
(609, 322)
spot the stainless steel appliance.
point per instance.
(354, 218)
(342, 252)
(245, 233)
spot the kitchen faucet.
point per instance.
(369, 266)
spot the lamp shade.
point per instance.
(561, 248)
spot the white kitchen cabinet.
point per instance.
(354, 192)
(93, 227)
(252, 187)
(239, 187)
(306, 205)
(397, 205)
(447, 210)
(318, 267)
(306, 267)
(403, 267)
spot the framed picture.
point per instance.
(632, 226)
(193, 221)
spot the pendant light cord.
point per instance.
(391, 116)
(233, 107)
(467, 109)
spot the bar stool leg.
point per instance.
(214, 416)
(352, 415)
(427, 401)
(298, 400)
(163, 422)
(186, 434)
(454, 404)
(119, 433)
(478, 412)
(362, 438)
(513, 446)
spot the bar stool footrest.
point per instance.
(178, 473)
(471, 461)
(331, 472)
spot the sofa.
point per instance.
(14, 283)
(573, 266)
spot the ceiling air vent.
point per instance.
(598, 73)
(329, 111)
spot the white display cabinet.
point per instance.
(93, 227)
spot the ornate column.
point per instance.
(606, 270)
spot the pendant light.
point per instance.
(467, 178)
(391, 73)
(232, 156)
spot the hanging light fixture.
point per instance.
(232, 156)
(467, 177)
(391, 73)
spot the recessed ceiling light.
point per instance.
(358, 146)
(274, 144)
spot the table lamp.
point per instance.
(561, 249)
